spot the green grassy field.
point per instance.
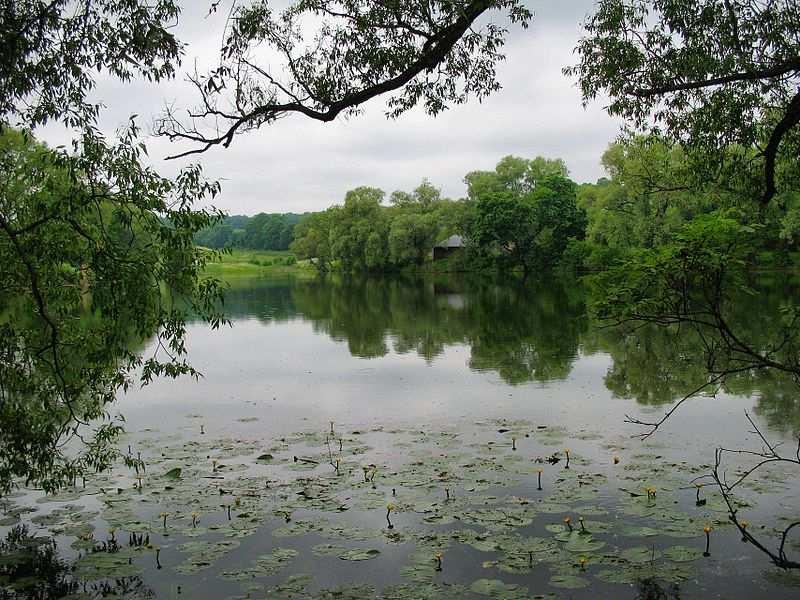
(243, 263)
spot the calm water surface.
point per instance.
(384, 351)
(427, 355)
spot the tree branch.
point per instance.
(436, 48)
(770, 73)
(769, 455)
(789, 120)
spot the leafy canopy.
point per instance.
(325, 58)
(711, 74)
(524, 213)
(96, 247)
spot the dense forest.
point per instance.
(260, 232)
(652, 197)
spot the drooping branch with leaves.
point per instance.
(710, 74)
(96, 247)
(325, 58)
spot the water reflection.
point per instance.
(524, 332)
(652, 589)
(31, 568)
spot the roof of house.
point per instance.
(454, 241)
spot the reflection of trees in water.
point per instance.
(777, 399)
(527, 332)
(654, 365)
(657, 364)
(523, 331)
(652, 589)
(366, 311)
(31, 569)
(265, 299)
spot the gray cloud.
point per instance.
(298, 165)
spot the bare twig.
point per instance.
(768, 454)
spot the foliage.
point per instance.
(713, 75)
(52, 51)
(645, 200)
(264, 231)
(98, 255)
(90, 238)
(358, 230)
(332, 56)
(651, 193)
(513, 174)
(312, 239)
(364, 235)
(524, 214)
(411, 237)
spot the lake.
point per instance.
(432, 437)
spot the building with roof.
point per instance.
(447, 247)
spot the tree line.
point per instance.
(522, 215)
(653, 196)
(528, 215)
(264, 231)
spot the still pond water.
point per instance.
(388, 438)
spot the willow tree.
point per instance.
(91, 237)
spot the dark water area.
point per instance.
(445, 386)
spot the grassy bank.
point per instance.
(246, 263)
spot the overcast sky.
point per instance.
(301, 165)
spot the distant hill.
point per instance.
(264, 231)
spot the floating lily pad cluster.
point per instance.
(337, 500)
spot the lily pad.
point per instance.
(640, 554)
(360, 554)
(682, 553)
(569, 582)
(496, 588)
(173, 473)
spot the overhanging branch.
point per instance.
(435, 50)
